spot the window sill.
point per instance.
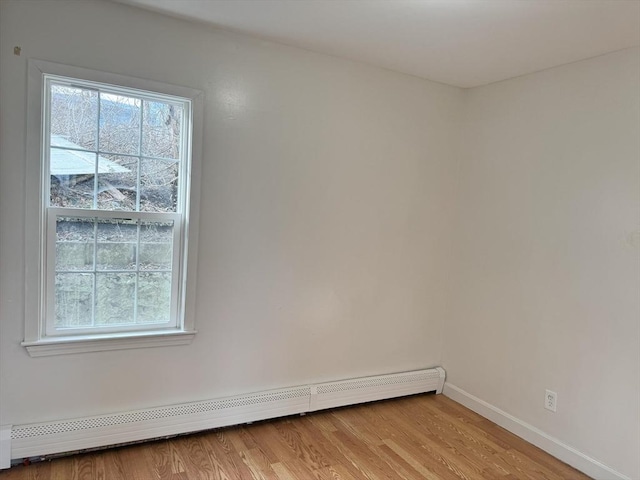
(100, 343)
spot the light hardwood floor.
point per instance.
(420, 437)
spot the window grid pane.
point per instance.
(112, 272)
(128, 161)
(119, 125)
(74, 115)
(74, 300)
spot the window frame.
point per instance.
(40, 246)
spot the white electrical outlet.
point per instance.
(550, 400)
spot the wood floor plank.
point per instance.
(114, 469)
(367, 457)
(266, 436)
(141, 462)
(302, 445)
(394, 449)
(282, 472)
(196, 460)
(301, 470)
(259, 464)
(457, 441)
(468, 433)
(413, 438)
(228, 463)
(342, 465)
(432, 433)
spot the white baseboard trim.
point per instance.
(35, 440)
(5, 446)
(551, 445)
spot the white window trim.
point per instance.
(36, 341)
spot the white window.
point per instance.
(115, 203)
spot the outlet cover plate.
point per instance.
(550, 400)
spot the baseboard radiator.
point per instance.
(36, 440)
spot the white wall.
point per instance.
(325, 214)
(326, 232)
(547, 287)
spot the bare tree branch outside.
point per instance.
(113, 152)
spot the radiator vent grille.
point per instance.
(38, 439)
(377, 382)
(155, 413)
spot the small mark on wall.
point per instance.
(633, 239)
(17, 50)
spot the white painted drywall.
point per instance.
(327, 204)
(325, 213)
(546, 284)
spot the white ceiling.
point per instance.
(459, 42)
